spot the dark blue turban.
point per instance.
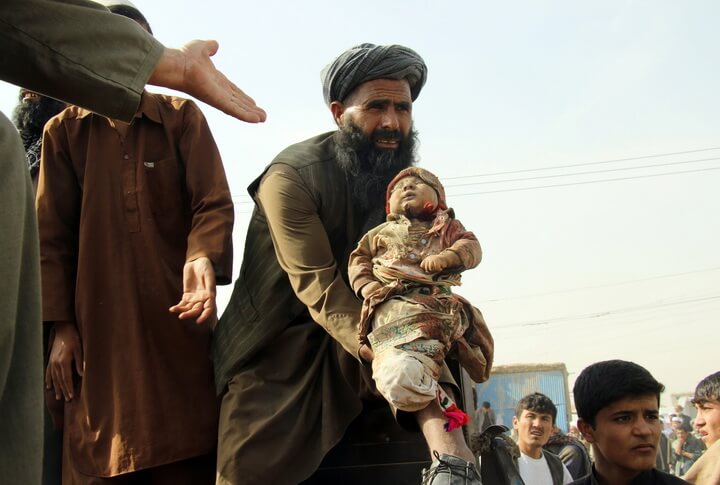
(367, 62)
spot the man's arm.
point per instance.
(58, 211)
(81, 53)
(304, 252)
(209, 243)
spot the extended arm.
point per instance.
(209, 251)
(80, 53)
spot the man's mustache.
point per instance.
(394, 135)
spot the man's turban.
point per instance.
(367, 62)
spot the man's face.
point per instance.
(382, 110)
(534, 430)
(625, 436)
(413, 197)
(707, 421)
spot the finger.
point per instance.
(193, 312)
(48, 377)
(207, 312)
(79, 362)
(210, 47)
(56, 384)
(66, 380)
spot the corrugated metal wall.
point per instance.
(503, 391)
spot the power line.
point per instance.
(586, 182)
(607, 285)
(607, 313)
(590, 172)
(658, 155)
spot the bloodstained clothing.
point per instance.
(414, 305)
(119, 215)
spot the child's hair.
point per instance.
(708, 389)
(603, 383)
(538, 403)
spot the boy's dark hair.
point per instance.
(603, 383)
(708, 389)
(537, 403)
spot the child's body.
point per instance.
(404, 269)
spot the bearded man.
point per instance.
(29, 117)
(286, 350)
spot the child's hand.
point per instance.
(370, 288)
(439, 262)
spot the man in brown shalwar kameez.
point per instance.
(286, 351)
(134, 217)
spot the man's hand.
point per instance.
(366, 353)
(369, 289)
(190, 70)
(439, 262)
(198, 299)
(66, 348)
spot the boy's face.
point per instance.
(707, 421)
(534, 430)
(625, 436)
(410, 195)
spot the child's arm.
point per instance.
(360, 269)
(464, 252)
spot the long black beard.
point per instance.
(30, 118)
(368, 169)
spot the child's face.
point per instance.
(412, 197)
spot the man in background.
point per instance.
(706, 470)
(29, 117)
(534, 422)
(105, 69)
(134, 217)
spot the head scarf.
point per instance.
(424, 175)
(367, 62)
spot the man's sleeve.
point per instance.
(78, 52)
(210, 198)
(58, 210)
(303, 251)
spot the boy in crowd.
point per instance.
(706, 470)
(534, 421)
(617, 404)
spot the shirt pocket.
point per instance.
(164, 186)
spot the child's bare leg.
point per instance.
(431, 421)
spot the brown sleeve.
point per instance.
(58, 210)
(210, 198)
(303, 251)
(360, 265)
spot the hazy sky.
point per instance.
(577, 271)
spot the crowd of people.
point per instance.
(618, 438)
(116, 210)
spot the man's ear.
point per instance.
(586, 430)
(515, 422)
(337, 109)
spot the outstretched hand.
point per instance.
(190, 70)
(198, 299)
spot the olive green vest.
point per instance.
(263, 303)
